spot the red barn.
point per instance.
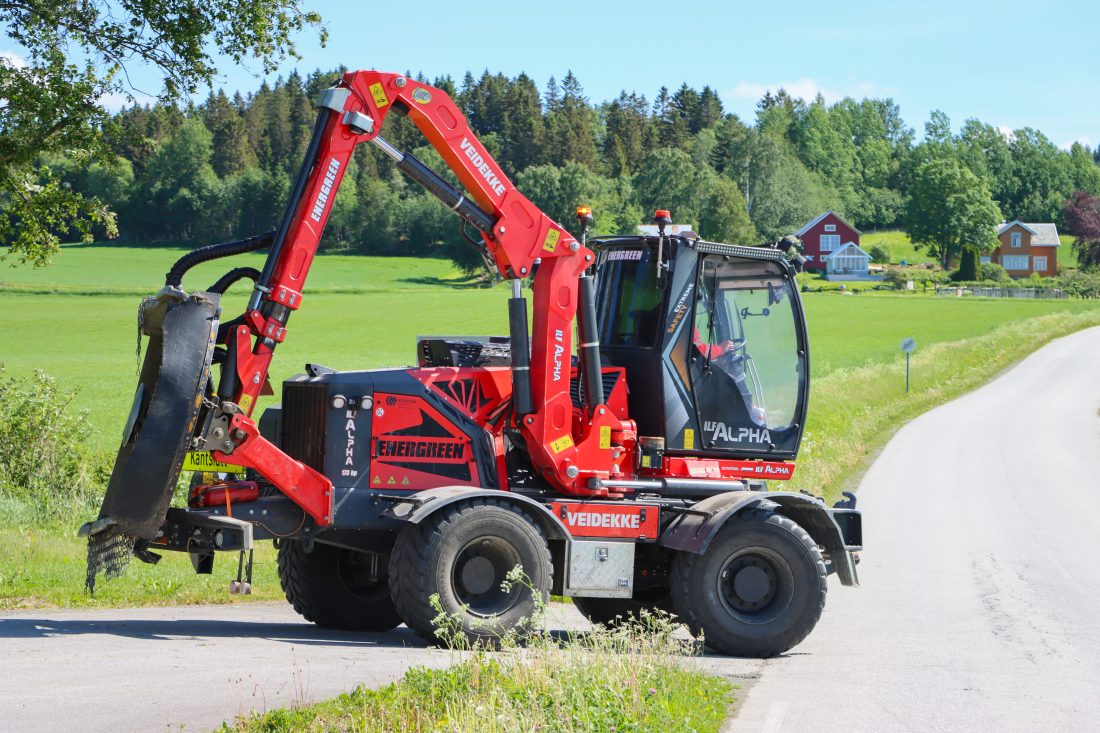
(823, 236)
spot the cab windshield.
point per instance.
(745, 329)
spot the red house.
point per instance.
(823, 236)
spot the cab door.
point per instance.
(749, 358)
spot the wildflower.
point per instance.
(652, 690)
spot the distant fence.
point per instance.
(1002, 292)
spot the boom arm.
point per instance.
(517, 236)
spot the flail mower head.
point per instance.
(167, 406)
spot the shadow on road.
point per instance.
(176, 629)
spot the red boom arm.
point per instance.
(520, 235)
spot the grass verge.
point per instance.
(639, 678)
(45, 568)
(853, 412)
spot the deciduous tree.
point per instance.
(951, 212)
(76, 55)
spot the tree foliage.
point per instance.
(1083, 216)
(952, 212)
(221, 168)
(77, 54)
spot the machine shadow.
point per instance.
(175, 629)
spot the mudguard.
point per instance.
(174, 376)
(418, 506)
(693, 530)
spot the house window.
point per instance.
(984, 259)
(809, 258)
(1040, 264)
(1015, 262)
(1016, 239)
(829, 242)
(830, 227)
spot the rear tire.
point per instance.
(337, 588)
(757, 591)
(617, 611)
(463, 553)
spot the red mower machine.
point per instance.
(627, 473)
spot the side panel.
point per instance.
(413, 446)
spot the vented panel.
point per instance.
(304, 406)
(576, 387)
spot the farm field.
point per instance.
(76, 319)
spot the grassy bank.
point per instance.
(854, 411)
(639, 679)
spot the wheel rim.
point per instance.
(755, 585)
(362, 574)
(479, 570)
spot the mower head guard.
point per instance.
(175, 376)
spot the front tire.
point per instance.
(337, 588)
(757, 591)
(463, 554)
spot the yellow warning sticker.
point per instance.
(379, 95)
(645, 461)
(605, 437)
(246, 403)
(562, 443)
(689, 439)
(203, 461)
(551, 241)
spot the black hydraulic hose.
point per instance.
(213, 252)
(237, 273)
(590, 344)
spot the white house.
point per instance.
(849, 262)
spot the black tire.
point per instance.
(757, 591)
(331, 586)
(463, 553)
(616, 611)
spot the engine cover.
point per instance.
(391, 430)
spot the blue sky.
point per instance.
(1009, 63)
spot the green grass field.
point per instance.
(896, 243)
(76, 321)
(364, 312)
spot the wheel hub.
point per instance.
(477, 575)
(749, 583)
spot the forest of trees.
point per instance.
(221, 169)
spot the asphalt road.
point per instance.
(978, 610)
(980, 601)
(189, 668)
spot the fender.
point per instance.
(694, 530)
(420, 505)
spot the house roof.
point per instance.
(846, 249)
(811, 224)
(1042, 235)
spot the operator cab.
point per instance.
(713, 339)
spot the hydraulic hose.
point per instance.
(213, 252)
(237, 273)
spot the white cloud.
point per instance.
(1083, 139)
(804, 88)
(113, 101)
(13, 59)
